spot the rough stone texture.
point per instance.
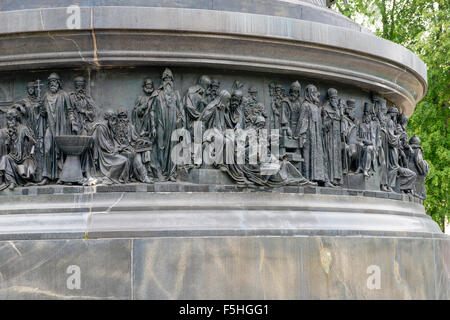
(320, 267)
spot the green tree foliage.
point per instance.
(423, 27)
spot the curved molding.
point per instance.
(202, 214)
(131, 36)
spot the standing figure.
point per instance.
(381, 141)
(213, 92)
(290, 110)
(419, 166)
(402, 123)
(143, 116)
(83, 106)
(111, 164)
(275, 107)
(214, 114)
(367, 142)
(169, 116)
(349, 129)
(252, 108)
(60, 120)
(85, 112)
(195, 101)
(17, 165)
(234, 115)
(309, 131)
(332, 117)
(29, 106)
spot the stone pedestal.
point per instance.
(205, 237)
(292, 243)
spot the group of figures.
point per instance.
(319, 143)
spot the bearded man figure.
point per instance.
(29, 107)
(17, 164)
(60, 120)
(131, 145)
(84, 107)
(310, 131)
(196, 100)
(332, 117)
(234, 115)
(213, 92)
(367, 143)
(143, 116)
(169, 116)
(290, 109)
(112, 165)
(350, 138)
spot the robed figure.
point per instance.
(83, 106)
(60, 120)
(290, 109)
(112, 165)
(143, 116)
(381, 141)
(367, 140)
(349, 130)
(17, 164)
(332, 117)
(419, 166)
(130, 144)
(195, 101)
(32, 112)
(169, 116)
(406, 177)
(309, 132)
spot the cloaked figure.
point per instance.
(290, 110)
(169, 116)
(399, 176)
(143, 115)
(349, 131)
(196, 100)
(84, 107)
(111, 164)
(60, 120)
(367, 143)
(419, 166)
(17, 164)
(332, 116)
(310, 133)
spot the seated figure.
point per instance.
(111, 164)
(132, 146)
(17, 163)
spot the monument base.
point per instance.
(286, 267)
(182, 241)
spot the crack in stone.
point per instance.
(15, 248)
(94, 39)
(31, 290)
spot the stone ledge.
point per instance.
(188, 187)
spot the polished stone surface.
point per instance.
(38, 269)
(286, 267)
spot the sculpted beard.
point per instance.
(168, 85)
(12, 129)
(54, 87)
